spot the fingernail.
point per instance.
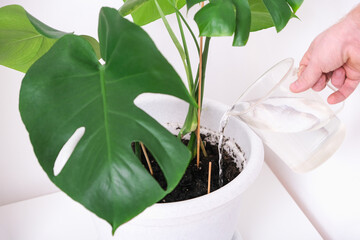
(300, 70)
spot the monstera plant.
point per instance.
(75, 82)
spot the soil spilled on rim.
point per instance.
(195, 180)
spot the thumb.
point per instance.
(308, 77)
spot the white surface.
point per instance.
(56, 216)
(332, 190)
(237, 236)
(268, 212)
(330, 195)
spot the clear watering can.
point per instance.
(301, 128)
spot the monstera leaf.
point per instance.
(68, 89)
(260, 16)
(239, 17)
(223, 18)
(24, 39)
(295, 4)
(145, 11)
(191, 3)
(269, 13)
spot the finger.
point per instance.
(346, 89)
(307, 79)
(320, 84)
(338, 77)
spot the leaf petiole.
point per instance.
(176, 43)
(189, 29)
(190, 76)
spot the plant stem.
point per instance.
(192, 144)
(204, 64)
(189, 29)
(176, 43)
(191, 119)
(190, 123)
(189, 74)
(203, 148)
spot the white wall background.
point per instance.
(230, 71)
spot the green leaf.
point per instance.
(216, 19)
(129, 6)
(243, 22)
(68, 88)
(43, 29)
(224, 18)
(144, 12)
(191, 3)
(94, 43)
(280, 12)
(295, 4)
(23, 38)
(260, 16)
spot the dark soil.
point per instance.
(195, 181)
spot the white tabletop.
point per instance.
(268, 212)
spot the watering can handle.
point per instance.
(329, 85)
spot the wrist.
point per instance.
(353, 17)
(351, 32)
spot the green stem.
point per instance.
(176, 43)
(191, 117)
(204, 63)
(190, 76)
(190, 123)
(189, 29)
(192, 145)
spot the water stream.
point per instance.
(223, 123)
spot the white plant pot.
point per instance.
(211, 217)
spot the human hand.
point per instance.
(335, 55)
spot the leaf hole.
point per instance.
(158, 174)
(67, 150)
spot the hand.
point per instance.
(335, 55)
